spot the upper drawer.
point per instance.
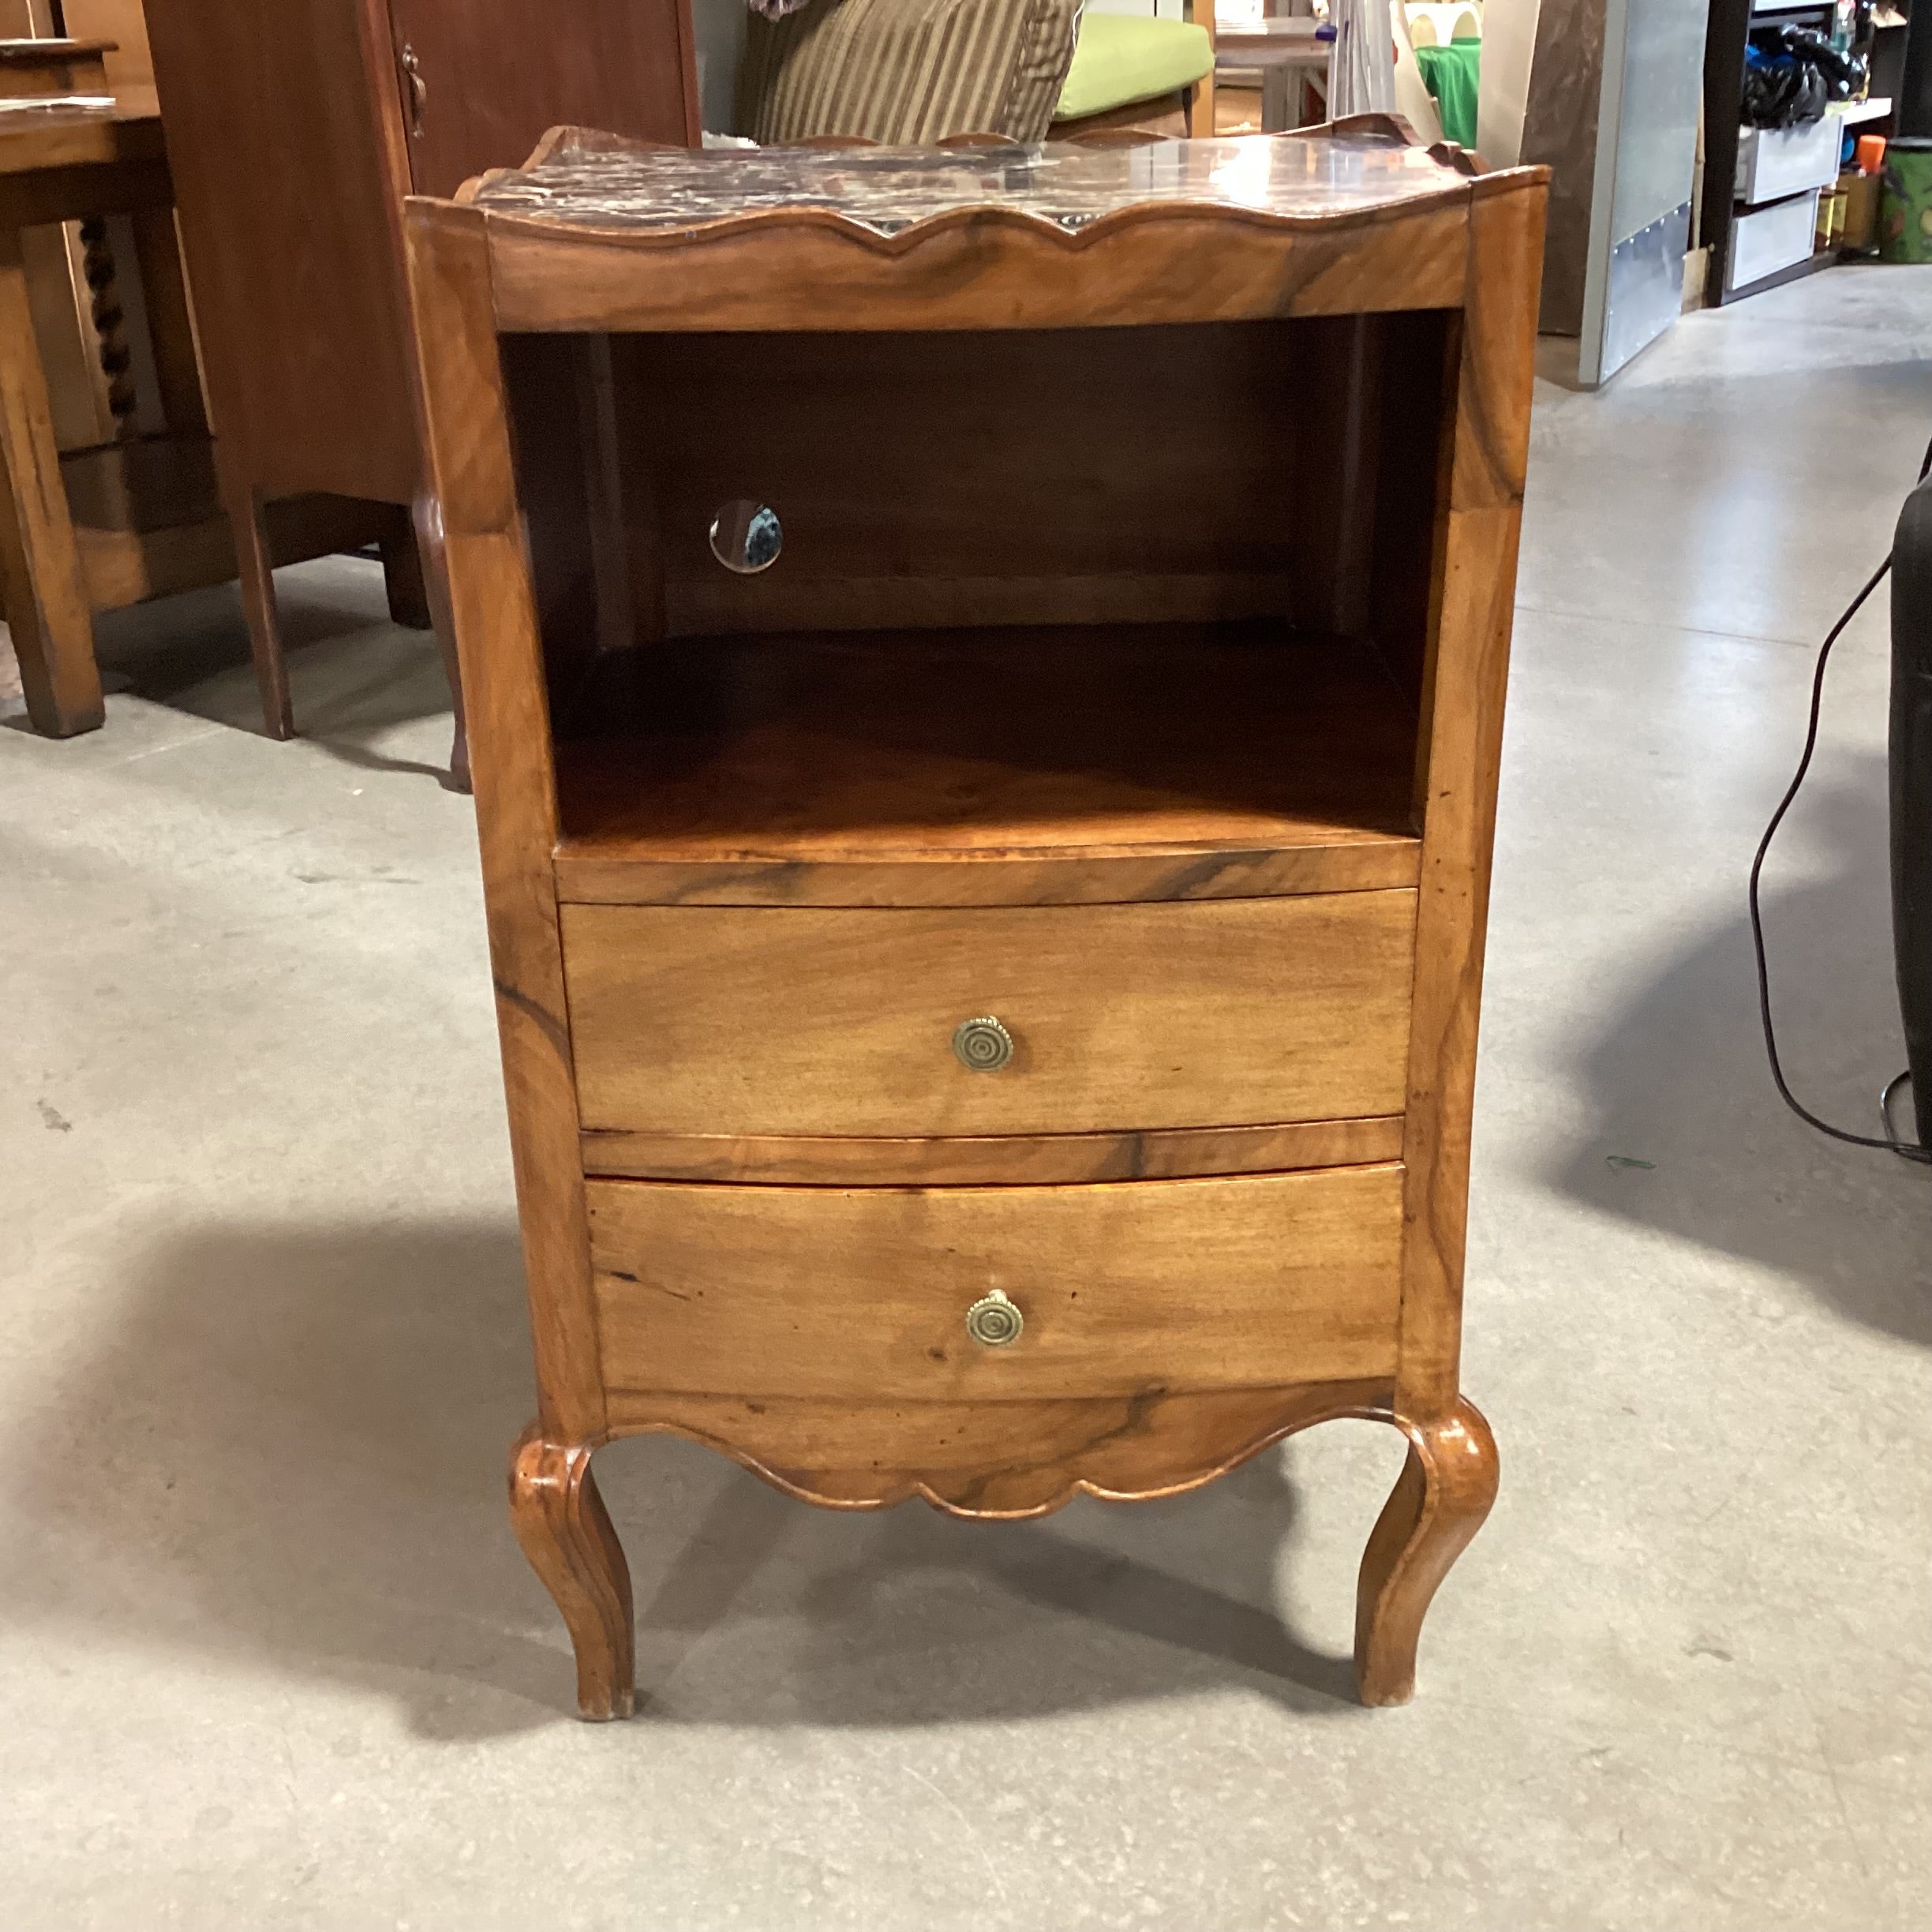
(749, 1021)
(1772, 162)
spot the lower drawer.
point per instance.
(1261, 1281)
(1768, 239)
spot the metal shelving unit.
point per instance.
(1728, 202)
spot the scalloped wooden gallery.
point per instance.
(985, 670)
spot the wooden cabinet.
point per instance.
(295, 128)
(987, 675)
(478, 85)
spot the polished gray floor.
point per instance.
(269, 1657)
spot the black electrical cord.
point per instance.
(1909, 1150)
(1885, 1100)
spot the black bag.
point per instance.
(1791, 75)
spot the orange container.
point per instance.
(1869, 153)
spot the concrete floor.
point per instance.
(270, 1658)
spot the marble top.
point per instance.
(889, 189)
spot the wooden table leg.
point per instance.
(1439, 1502)
(47, 601)
(170, 326)
(1200, 97)
(403, 585)
(256, 569)
(1200, 108)
(567, 1535)
(426, 517)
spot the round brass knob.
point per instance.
(993, 1322)
(983, 1046)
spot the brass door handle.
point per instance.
(993, 1322)
(982, 1046)
(418, 90)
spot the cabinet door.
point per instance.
(481, 80)
(290, 204)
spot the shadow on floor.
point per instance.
(356, 676)
(289, 1451)
(1679, 1078)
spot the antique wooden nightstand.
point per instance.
(986, 669)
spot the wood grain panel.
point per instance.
(923, 599)
(862, 1293)
(1466, 679)
(1001, 1459)
(1163, 1154)
(978, 270)
(544, 380)
(1056, 763)
(32, 142)
(696, 1020)
(495, 74)
(129, 66)
(1415, 437)
(288, 218)
(1080, 877)
(1062, 497)
(492, 610)
(52, 194)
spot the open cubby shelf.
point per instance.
(1062, 614)
(984, 744)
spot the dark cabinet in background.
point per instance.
(294, 129)
(480, 79)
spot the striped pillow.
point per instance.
(906, 73)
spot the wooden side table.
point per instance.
(99, 528)
(986, 672)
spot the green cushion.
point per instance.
(1119, 59)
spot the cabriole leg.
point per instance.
(566, 1534)
(1439, 1502)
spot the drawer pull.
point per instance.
(418, 90)
(993, 1321)
(982, 1046)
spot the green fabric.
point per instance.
(1119, 59)
(1449, 73)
